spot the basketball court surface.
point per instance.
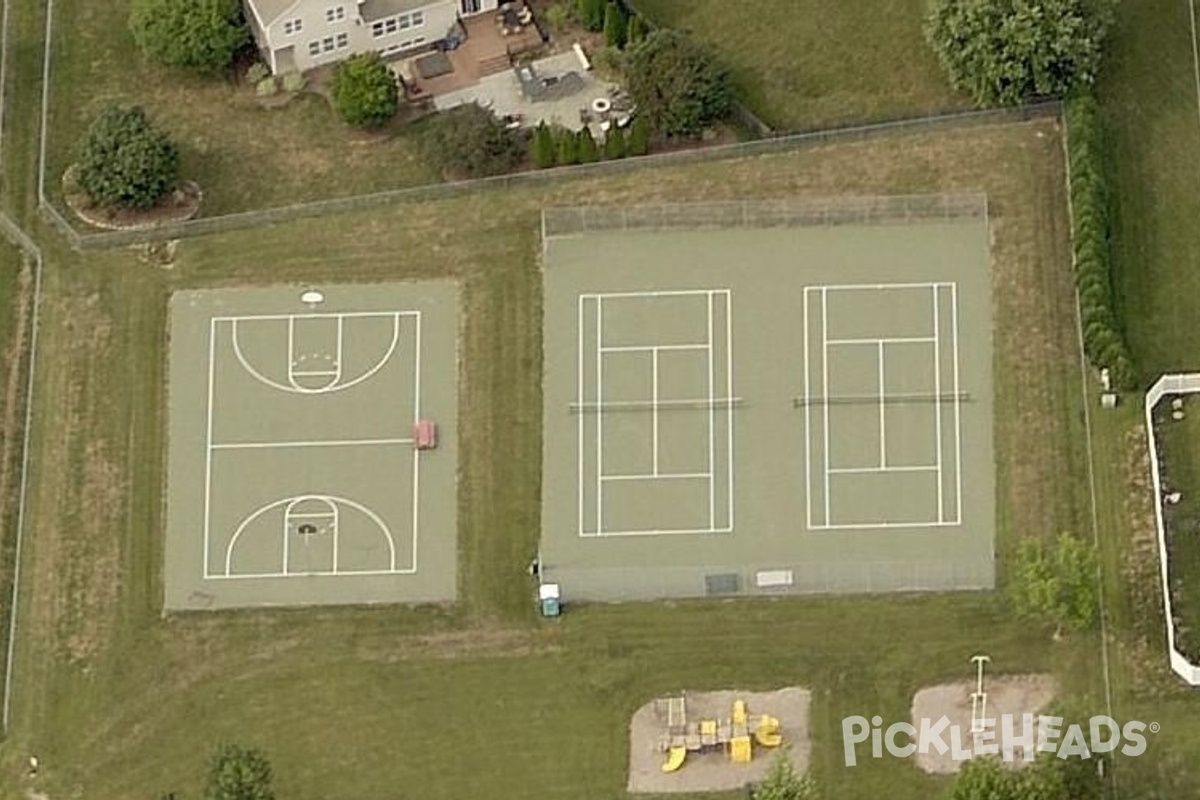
(295, 473)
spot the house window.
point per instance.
(327, 44)
(314, 48)
(343, 41)
(391, 25)
(292, 26)
(335, 14)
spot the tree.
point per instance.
(678, 86)
(1059, 584)
(239, 773)
(591, 14)
(782, 782)
(984, 779)
(615, 26)
(614, 144)
(566, 148)
(124, 161)
(639, 138)
(200, 35)
(365, 91)
(543, 146)
(636, 30)
(1005, 51)
(586, 147)
(468, 141)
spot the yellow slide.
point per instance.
(740, 751)
(767, 734)
(675, 759)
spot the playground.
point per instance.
(716, 741)
(312, 447)
(795, 408)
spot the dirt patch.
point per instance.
(1016, 695)
(713, 772)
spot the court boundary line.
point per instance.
(937, 392)
(397, 318)
(600, 349)
(880, 342)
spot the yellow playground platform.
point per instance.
(734, 736)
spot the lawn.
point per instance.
(801, 64)
(122, 703)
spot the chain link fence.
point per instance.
(782, 213)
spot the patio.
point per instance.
(488, 44)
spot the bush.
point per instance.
(256, 72)
(365, 91)
(1103, 340)
(566, 148)
(1005, 51)
(558, 15)
(586, 147)
(591, 14)
(239, 773)
(614, 144)
(468, 141)
(266, 87)
(636, 30)
(201, 35)
(678, 86)
(124, 161)
(639, 138)
(615, 26)
(542, 149)
(293, 82)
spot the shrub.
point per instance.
(639, 138)
(591, 14)
(636, 30)
(468, 141)
(677, 85)
(239, 773)
(558, 15)
(256, 72)
(1004, 51)
(586, 148)
(125, 161)
(542, 149)
(266, 87)
(365, 91)
(201, 35)
(615, 26)
(566, 148)
(614, 144)
(293, 82)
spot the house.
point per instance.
(298, 35)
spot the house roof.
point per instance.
(267, 11)
(372, 10)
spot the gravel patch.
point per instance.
(712, 772)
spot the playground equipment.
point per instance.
(979, 696)
(735, 736)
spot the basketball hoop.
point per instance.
(312, 298)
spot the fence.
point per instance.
(791, 212)
(1164, 386)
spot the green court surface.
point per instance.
(294, 475)
(804, 409)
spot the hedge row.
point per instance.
(1103, 338)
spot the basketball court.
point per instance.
(785, 408)
(296, 474)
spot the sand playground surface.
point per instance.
(1016, 695)
(712, 772)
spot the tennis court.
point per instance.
(743, 408)
(295, 472)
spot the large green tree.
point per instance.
(238, 773)
(1057, 583)
(679, 87)
(200, 35)
(124, 161)
(468, 141)
(1005, 51)
(365, 91)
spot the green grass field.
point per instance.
(120, 702)
(801, 64)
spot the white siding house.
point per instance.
(298, 35)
